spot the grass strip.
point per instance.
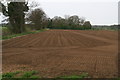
(83, 75)
(21, 34)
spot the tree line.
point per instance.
(69, 22)
(21, 15)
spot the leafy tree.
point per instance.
(74, 20)
(38, 18)
(69, 22)
(87, 25)
(58, 22)
(16, 15)
(49, 23)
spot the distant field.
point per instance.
(56, 53)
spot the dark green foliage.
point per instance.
(72, 22)
(87, 25)
(16, 16)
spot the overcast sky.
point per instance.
(98, 12)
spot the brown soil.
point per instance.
(63, 52)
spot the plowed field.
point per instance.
(63, 52)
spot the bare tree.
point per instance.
(37, 17)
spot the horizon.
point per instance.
(100, 12)
(97, 12)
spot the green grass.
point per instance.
(34, 77)
(83, 75)
(33, 74)
(22, 74)
(29, 74)
(10, 74)
(21, 34)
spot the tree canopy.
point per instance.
(16, 15)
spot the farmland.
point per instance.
(63, 52)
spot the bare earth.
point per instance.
(63, 52)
